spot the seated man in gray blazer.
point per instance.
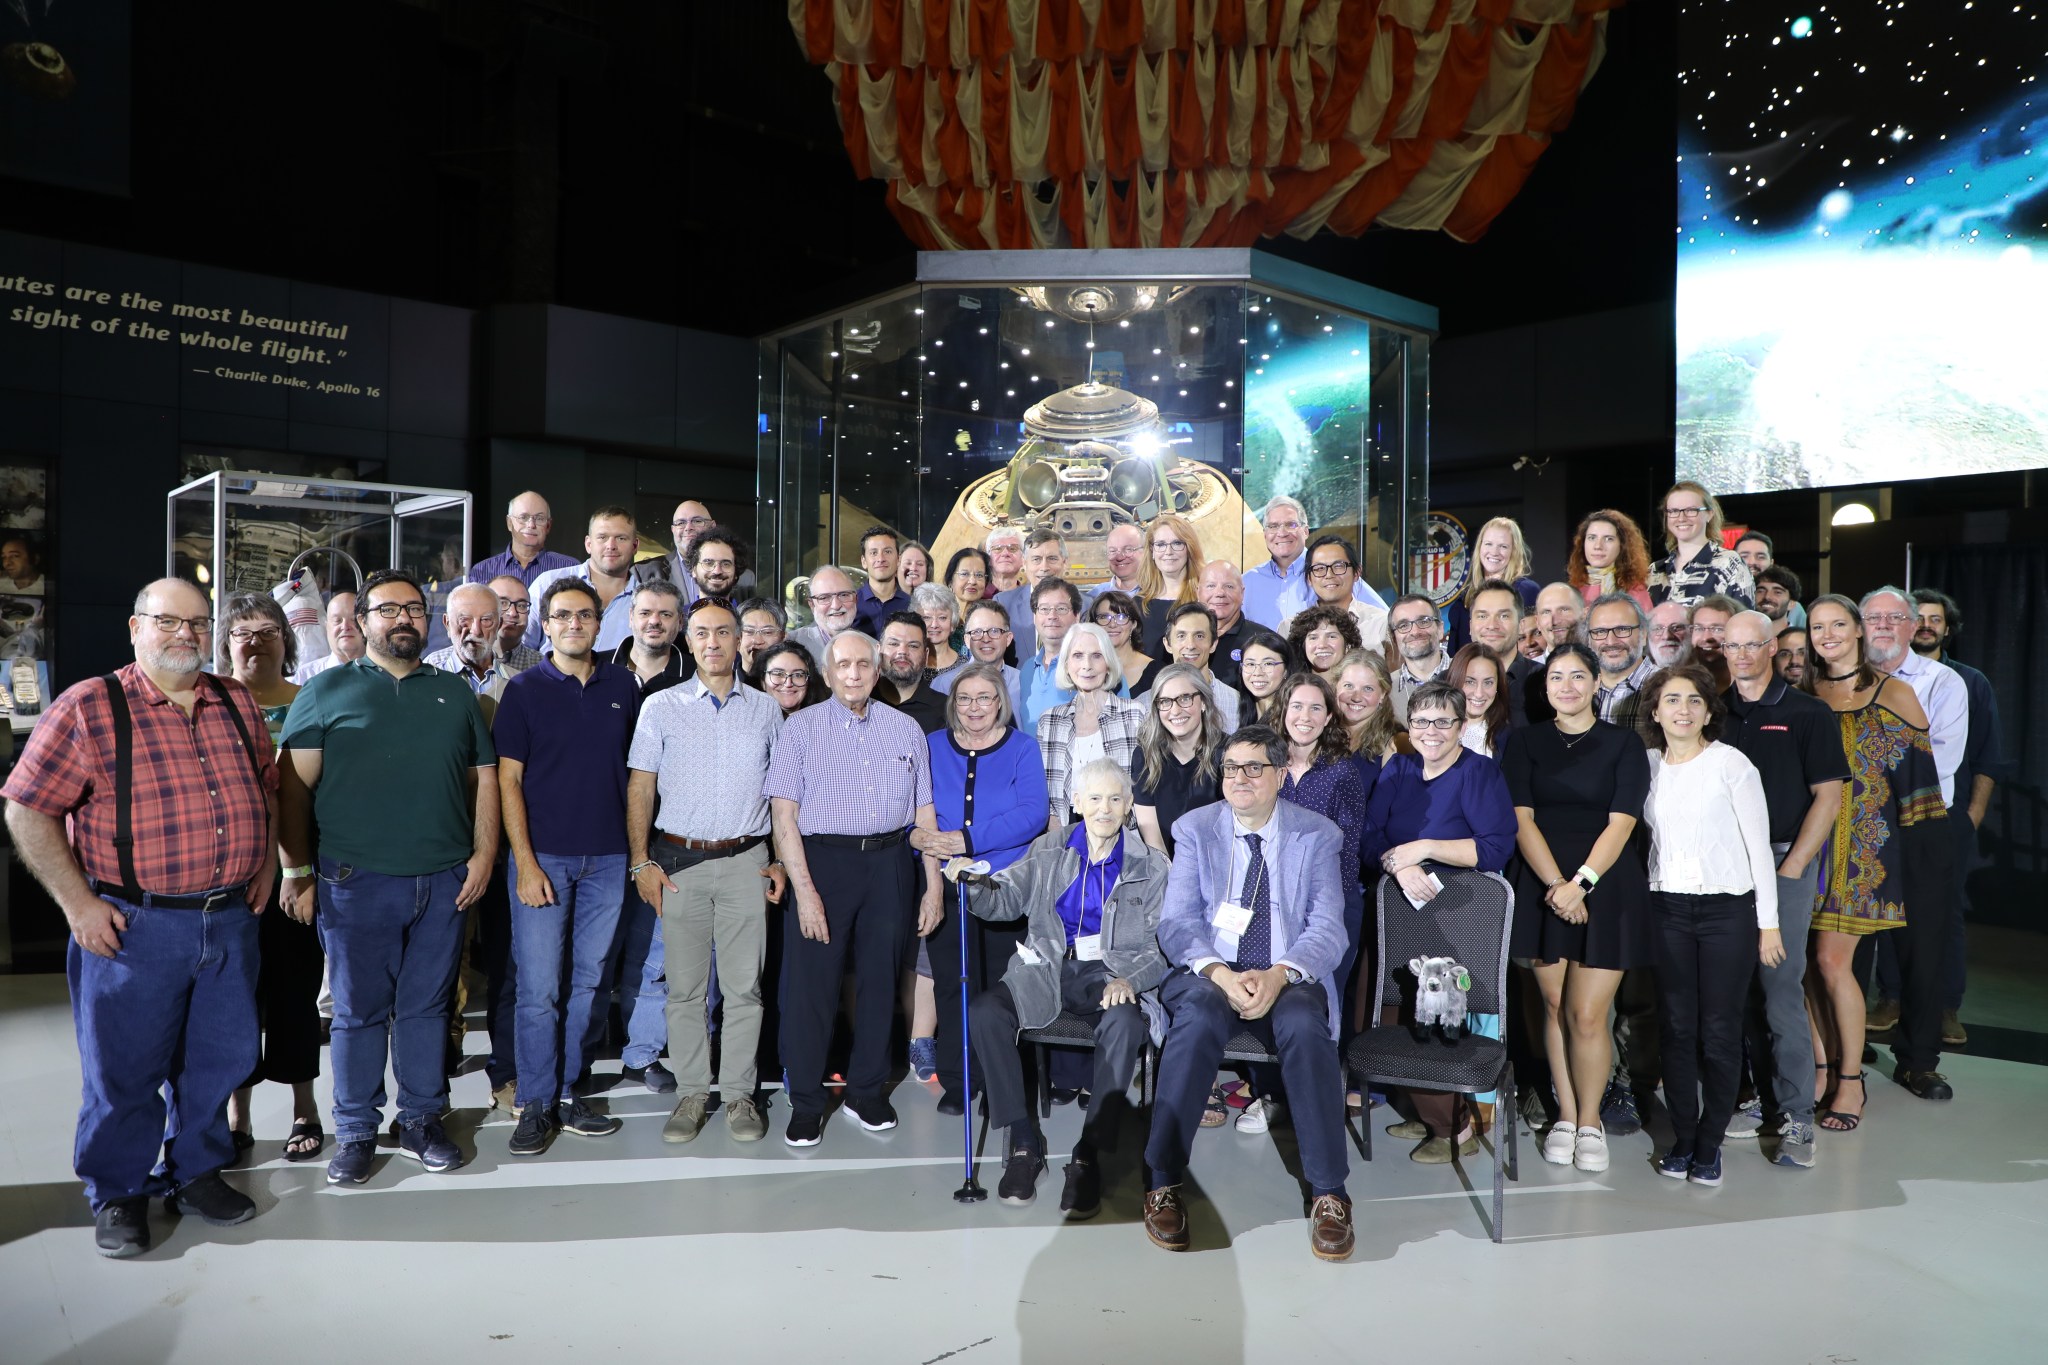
(1254, 926)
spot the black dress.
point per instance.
(1573, 788)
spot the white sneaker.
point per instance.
(1589, 1150)
(1558, 1143)
(1258, 1116)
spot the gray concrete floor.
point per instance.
(1927, 1229)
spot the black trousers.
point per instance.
(1120, 1033)
(287, 998)
(1706, 955)
(988, 953)
(869, 910)
(1927, 858)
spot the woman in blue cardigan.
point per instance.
(988, 791)
(1445, 805)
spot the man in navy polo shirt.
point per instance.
(562, 731)
(1795, 741)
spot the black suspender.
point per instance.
(124, 766)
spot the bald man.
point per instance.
(1221, 590)
(529, 519)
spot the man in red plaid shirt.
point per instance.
(163, 955)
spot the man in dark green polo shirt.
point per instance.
(391, 763)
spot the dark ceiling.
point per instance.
(681, 163)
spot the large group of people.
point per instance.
(1163, 804)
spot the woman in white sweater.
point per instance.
(1714, 892)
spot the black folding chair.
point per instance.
(1469, 920)
(1071, 1030)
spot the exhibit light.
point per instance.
(1854, 514)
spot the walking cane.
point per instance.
(970, 1191)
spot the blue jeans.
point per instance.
(172, 1015)
(393, 944)
(647, 1016)
(581, 922)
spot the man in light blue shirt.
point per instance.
(1279, 588)
(609, 572)
(1055, 607)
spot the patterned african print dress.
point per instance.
(1892, 804)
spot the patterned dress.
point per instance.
(1892, 804)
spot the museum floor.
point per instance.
(1927, 1230)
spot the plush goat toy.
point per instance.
(1441, 983)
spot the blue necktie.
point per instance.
(1255, 944)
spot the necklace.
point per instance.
(1572, 741)
(1837, 677)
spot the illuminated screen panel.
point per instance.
(1862, 241)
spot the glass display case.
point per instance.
(237, 531)
(1082, 388)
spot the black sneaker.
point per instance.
(584, 1121)
(536, 1128)
(876, 1115)
(425, 1143)
(1083, 1194)
(121, 1228)
(654, 1076)
(951, 1105)
(1020, 1177)
(350, 1164)
(805, 1130)
(1618, 1112)
(214, 1200)
(1928, 1085)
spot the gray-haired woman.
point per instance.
(1180, 752)
(1090, 898)
(934, 602)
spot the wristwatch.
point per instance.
(1294, 978)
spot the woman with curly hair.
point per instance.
(1475, 672)
(1168, 573)
(1608, 555)
(1321, 636)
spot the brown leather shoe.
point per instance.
(1329, 1228)
(1166, 1222)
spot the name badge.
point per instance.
(1232, 918)
(1088, 948)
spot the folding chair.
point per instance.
(1469, 920)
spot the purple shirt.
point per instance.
(508, 565)
(572, 738)
(851, 774)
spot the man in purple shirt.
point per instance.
(562, 731)
(848, 779)
(528, 518)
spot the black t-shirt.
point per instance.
(1177, 792)
(1795, 741)
(1224, 663)
(926, 707)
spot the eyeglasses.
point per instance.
(1432, 722)
(986, 632)
(1610, 632)
(564, 616)
(1112, 618)
(391, 611)
(969, 576)
(1329, 570)
(757, 632)
(1254, 771)
(963, 700)
(244, 635)
(1260, 664)
(531, 519)
(1186, 701)
(717, 565)
(830, 597)
(1681, 513)
(1410, 627)
(1283, 526)
(684, 523)
(1752, 647)
(1675, 631)
(512, 605)
(1158, 544)
(201, 625)
(786, 677)
(1887, 618)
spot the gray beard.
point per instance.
(1878, 658)
(1668, 656)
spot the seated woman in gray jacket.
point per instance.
(1091, 899)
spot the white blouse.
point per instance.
(1087, 748)
(1473, 737)
(1710, 832)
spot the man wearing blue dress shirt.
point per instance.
(1254, 918)
(1279, 588)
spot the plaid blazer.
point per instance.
(1120, 721)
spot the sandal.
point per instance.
(1216, 1112)
(306, 1140)
(1837, 1122)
